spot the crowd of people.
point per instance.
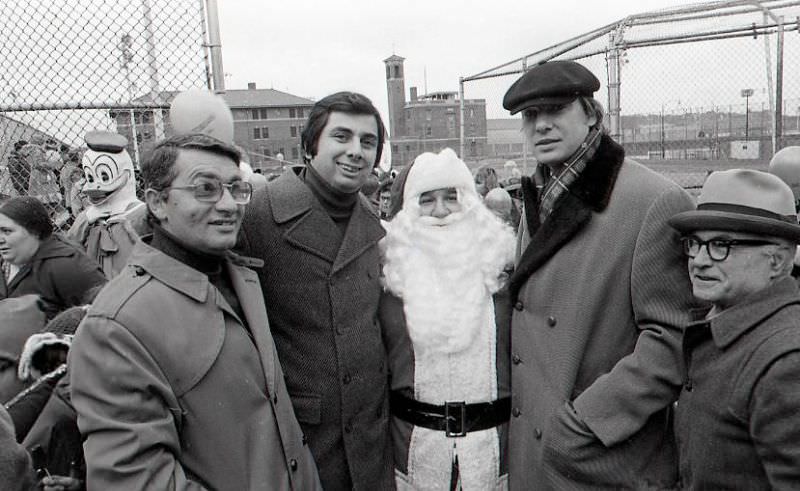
(589, 327)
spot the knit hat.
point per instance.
(59, 331)
(30, 213)
(432, 171)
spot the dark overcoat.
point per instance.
(60, 273)
(322, 302)
(601, 298)
(174, 391)
(736, 419)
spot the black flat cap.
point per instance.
(554, 82)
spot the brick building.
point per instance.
(430, 122)
(266, 122)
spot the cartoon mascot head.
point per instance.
(107, 170)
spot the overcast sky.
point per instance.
(313, 48)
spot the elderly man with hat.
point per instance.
(600, 299)
(737, 414)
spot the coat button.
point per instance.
(537, 433)
(688, 385)
(138, 271)
(348, 428)
(516, 412)
(516, 360)
(346, 379)
(293, 465)
(551, 321)
(518, 305)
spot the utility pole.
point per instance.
(746, 93)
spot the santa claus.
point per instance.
(445, 323)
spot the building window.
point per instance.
(256, 133)
(291, 112)
(293, 131)
(255, 113)
(299, 112)
(394, 148)
(428, 131)
(264, 132)
(294, 153)
(397, 71)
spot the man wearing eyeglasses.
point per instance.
(175, 376)
(600, 299)
(736, 419)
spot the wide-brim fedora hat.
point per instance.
(743, 200)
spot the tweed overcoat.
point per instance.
(322, 302)
(601, 297)
(172, 391)
(736, 419)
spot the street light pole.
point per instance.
(746, 93)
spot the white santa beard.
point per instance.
(444, 295)
(450, 319)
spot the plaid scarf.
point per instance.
(553, 186)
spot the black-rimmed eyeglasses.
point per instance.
(717, 249)
(211, 191)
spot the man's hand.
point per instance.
(61, 483)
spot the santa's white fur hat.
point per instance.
(432, 171)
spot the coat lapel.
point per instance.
(291, 199)
(573, 210)
(363, 231)
(245, 284)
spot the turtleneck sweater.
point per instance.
(208, 264)
(337, 204)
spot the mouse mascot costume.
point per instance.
(115, 218)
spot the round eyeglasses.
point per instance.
(210, 191)
(717, 249)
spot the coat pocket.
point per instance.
(307, 408)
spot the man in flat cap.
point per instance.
(600, 299)
(737, 415)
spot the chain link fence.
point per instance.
(70, 67)
(687, 90)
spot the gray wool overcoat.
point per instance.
(736, 419)
(322, 303)
(601, 296)
(173, 391)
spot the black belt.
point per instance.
(454, 418)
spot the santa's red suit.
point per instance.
(445, 322)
